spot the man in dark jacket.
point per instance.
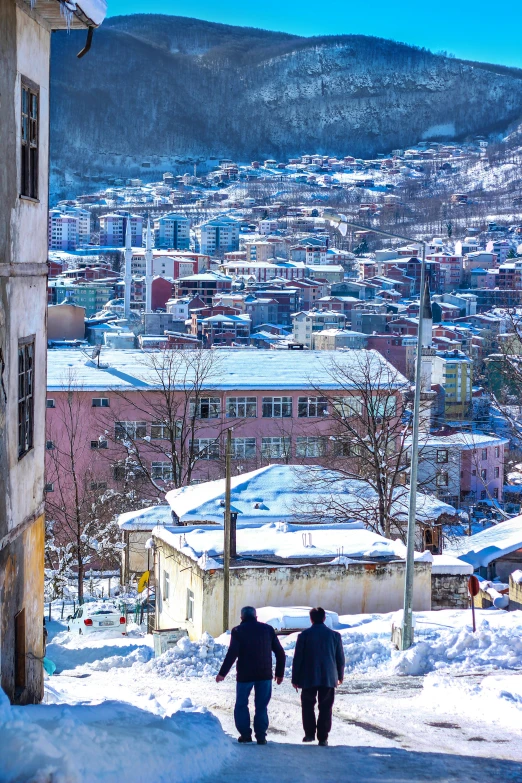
(318, 668)
(252, 644)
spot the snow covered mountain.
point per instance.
(154, 87)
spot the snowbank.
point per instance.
(57, 742)
(292, 617)
(187, 659)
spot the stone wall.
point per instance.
(449, 591)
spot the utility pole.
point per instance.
(342, 223)
(227, 533)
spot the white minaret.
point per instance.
(148, 269)
(128, 273)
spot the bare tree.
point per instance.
(369, 414)
(79, 504)
(165, 432)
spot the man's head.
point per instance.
(248, 613)
(317, 615)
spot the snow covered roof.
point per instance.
(145, 518)
(277, 493)
(125, 369)
(488, 545)
(446, 564)
(463, 440)
(284, 541)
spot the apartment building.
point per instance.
(92, 295)
(63, 231)
(25, 38)
(113, 227)
(217, 236)
(453, 371)
(305, 325)
(172, 231)
(205, 285)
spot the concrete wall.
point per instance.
(360, 588)
(515, 594)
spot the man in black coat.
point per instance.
(318, 668)
(252, 644)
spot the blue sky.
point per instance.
(473, 29)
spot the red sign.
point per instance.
(473, 585)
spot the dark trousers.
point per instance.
(325, 698)
(262, 694)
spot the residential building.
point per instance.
(113, 228)
(306, 324)
(205, 285)
(63, 231)
(453, 371)
(65, 321)
(92, 295)
(172, 231)
(334, 339)
(217, 236)
(25, 39)
(450, 267)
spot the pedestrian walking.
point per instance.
(318, 668)
(252, 644)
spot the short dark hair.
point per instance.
(248, 612)
(317, 615)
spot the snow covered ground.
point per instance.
(448, 709)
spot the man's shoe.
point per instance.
(308, 739)
(323, 743)
(261, 741)
(244, 739)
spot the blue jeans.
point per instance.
(262, 695)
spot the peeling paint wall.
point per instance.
(25, 48)
(360, 588)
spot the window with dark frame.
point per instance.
(190, 605)
(25, 395)
(442, 455)
(29, 139)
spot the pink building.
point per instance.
(269, 397)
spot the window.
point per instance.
(49, 487)
(243, 448)
(29, 140)
(241, 407)
(275, 448)
(99, 444)
(442, 479)
(166, 585)
(484, 475)
(310, 447)
(496, 473)
(119, 472)
(130, 429)
(206, 448)
(341, 447)
(348, 406)
(495, 493)
(442, 455)
(160, 430)
(311, 407)
(190, 606)
(483, 495)
(25, 395)
(98, 485)
(277, 407)
(162, 471)
(49, 445)
(473, 472)
(205, 408)
(50, 403)
(384, 406)
(484, 453)
(100, 402)
(497, 451)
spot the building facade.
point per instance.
(25, 29)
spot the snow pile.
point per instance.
(463, 650)
(292, 617)
(190, 659)
(109, 743)
(140, 655)
(498, 696)
(516, 576)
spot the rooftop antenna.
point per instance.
(96, 351)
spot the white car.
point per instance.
(97, 617)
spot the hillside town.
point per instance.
(257, 414)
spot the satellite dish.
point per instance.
(144, 580)
(96, 352)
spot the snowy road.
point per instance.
(460, 722)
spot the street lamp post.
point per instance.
(341, 222)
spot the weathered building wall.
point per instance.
(515, 594)
(360, 588)
(449, 591)
(25, 46)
